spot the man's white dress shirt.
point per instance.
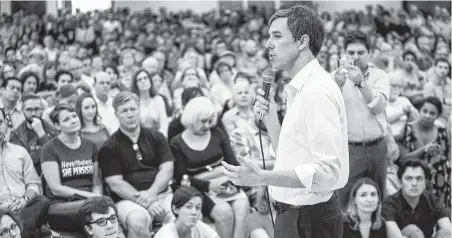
(313, 139)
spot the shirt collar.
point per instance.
(303, 75)
(16, 108)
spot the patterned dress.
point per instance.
(439, 164)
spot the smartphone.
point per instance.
(344, 62)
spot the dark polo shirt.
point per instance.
(117, 157)
(425, 216)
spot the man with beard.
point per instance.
(34, 132)
(21, 185)
(250, 62)
(11, 89)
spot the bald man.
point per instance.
(102, 86)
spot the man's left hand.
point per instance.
(145, 197)
(248, 174)
(355, 74)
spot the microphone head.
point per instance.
(268, 76)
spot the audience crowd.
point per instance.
(115, 124)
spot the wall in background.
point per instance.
(332, 6)
(195, 6)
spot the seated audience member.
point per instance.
(34, 132)
(70, 168)
(21, 186)
(245, 142)
(91, 126)
(259, 223)
(362, 213)
(152, 106)
(242, 112)
(11, 90)
(413, 204)
(186, 206)
(190, 78)
(440, 87)
(399, 110)
(430, 143)
(137, 164)
(221, 93)
(175, 127)
(198, 151)
(10, 226)
(100, 218)
(63, 77)
(66, 94)
(102, 88)
(30, 82)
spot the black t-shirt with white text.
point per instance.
(76, 166)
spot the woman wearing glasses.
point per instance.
(70, 168)
(99, 218)
(10, 226)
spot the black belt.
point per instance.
(281, 207)
(366, 143)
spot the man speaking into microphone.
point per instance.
(311, 144)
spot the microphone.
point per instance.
(268, 78)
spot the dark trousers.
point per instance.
(323, 220)
(34, 215)
(65, 216)
(366, 162)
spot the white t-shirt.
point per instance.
(200, 230)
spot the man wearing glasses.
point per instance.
(11, 89)
(100, 219)
(137, 164)
(33, 132)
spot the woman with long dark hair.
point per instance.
(152, 106)
(91, 126)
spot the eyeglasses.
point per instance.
(9, 122)
(137, 151)
(7, 231)
(103, 221)
(31, 110)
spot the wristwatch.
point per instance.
(360, 84)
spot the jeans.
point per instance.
(64, 216)
(322, 220)
(366, 162)
(34, 215)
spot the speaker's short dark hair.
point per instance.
(303, 20)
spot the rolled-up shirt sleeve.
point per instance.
(323, 130)
(380, 89)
